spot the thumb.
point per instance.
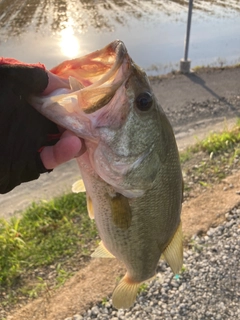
(68, 147)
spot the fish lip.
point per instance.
(122, 59)
(119, 47)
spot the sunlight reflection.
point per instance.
(69, 43)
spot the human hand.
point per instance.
(69, 145)
(24, 131)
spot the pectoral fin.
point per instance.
(78, 186)
(102, 252)
(173, 254)
(121, 211)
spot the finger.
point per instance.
(67, 134)
(68, 147)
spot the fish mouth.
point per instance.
(100, 92)
(95, 68)
(94, 80)
(115, 51)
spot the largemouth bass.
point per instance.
(131, 169)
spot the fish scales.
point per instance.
(131, 168)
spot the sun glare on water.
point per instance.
(69, 43)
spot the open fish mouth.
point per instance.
(96, 68)
(94, 79)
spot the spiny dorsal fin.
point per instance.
(90, 208)
(102, 252)
(125, 293)
(173, 254)
(78, 186)
(75, 85)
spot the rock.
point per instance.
(77, 317)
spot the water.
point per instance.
(51, 31)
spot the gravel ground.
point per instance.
(207, 288)
(195, 112)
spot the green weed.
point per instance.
(104, 301)
(186, 155)
(203, 183)
(46, 232)
(143, 288)
(220, 142)
(183, 269)
(11, 247)
(215, 143)
(62, 275)
(36, 289)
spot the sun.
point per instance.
(69, 43)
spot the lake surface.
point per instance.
(51, 31)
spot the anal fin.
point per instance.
(102, 252)
(173, 253)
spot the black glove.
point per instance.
(23, 131)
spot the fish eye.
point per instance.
(144, 101)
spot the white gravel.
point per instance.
(207, 288)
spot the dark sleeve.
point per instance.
(23, 131)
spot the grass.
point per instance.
(215, 144)
(220, 142)
(212, 159)
(143, 288)
(48, 235)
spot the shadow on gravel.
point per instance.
(198, 80)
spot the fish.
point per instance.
(130, 171)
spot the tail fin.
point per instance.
(125, 293)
